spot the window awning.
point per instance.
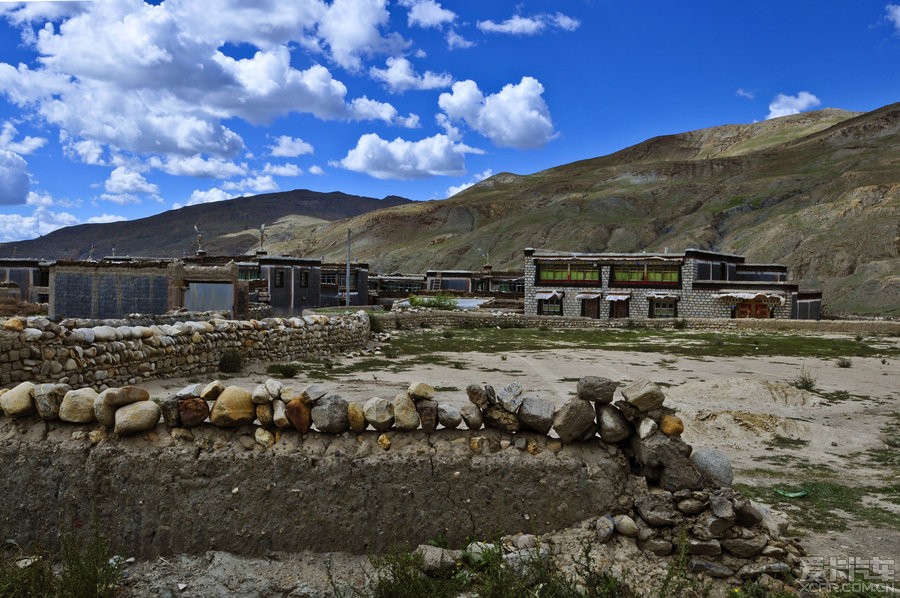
(581, 296)
(544, 295)
(666, 296)
(618, 297)
(751, 295)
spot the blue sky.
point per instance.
(120, 109)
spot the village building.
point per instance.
(25, 279)
(693, 284)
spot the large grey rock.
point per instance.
(170, 412)
(574, 420)
(48, 398)
(19, 400)
(596, 389)
(709, 568)
(134, 418)
(330, 415)
(745, 548)
(211, 391)
(116, 397)
(647, 428)
(703, 547)
(193, 390)
(274, 388)
(438, 562)
(709, 527)
(406, 418)
(721, 507)
(77, 406)
(657, 509)
(499, 418)
(510, 397)
(714, 465)
(613, 425)
(104, 413)
(449, 416)
(666, 462)
(261, 395)
(418, 391)
(606, 527)
(626, 526)
(536, 414)
(644, 395)
(379, 413)
(472, 416)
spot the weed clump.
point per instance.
(843, 362)
(283, 370)
(805, 380)
(231, 362)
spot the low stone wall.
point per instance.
(478, 319)
(278, 468)
(103, 355)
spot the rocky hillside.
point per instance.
(818, 191)
(228, 227)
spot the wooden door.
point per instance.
(618, 309)
(590, 308)
(752, 309)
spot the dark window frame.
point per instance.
(278, 283)
(568, 273)
(644, 275)
(555, 305)
(656, 304)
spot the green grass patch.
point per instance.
(783, 442)
(821, 509)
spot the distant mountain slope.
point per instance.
(819, 192)
(228, 227)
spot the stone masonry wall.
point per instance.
(38, 350)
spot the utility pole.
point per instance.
(347, 280)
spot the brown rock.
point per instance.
(264, 413)
(299, 413)
(478, 396)
(14, 325)
(428, 414)
(193, 410)
(233, 408)
(476, 444)
(420, 390)
(116, 397)
(356, 417)
(497, 417)
(384, 441)
(671, 425)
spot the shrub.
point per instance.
(805, 380)
(447, 334)
(435, 302)
(843, 362)
(283, 370)
(375, 325)
(680, 324)
(87, 569)
(231, 362)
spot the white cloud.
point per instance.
(316, 170)
(198, 166)
(258, 184)
(399, 76)
(351, 28)
(290, 147)
(893, 15)
(451, 191)
(124, 181)
(282, 169)
(209, 196)
(457, 42)
(134, 77)
(26, 146)
(519, 25)
(15, 227)
(104, 218)
(516, 116)
(743, 93)
(14, 180)
(427, 13)
(785, 105)
(121, 199)
(402, 159)
(365, 109)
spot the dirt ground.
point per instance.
(744, 406)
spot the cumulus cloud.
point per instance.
(516, 116)
(427, 13)
(124, 181)
(199, 196)
(258, 184)
(198, 166)
(457, 42)
(316, 170)
(15, 227)
(105, 218)
(14, 180)
(402, 159)
(893, 15)
(290, 147)
(519, 25)
(743, 93)
(26, 145)
(453, 190)
(282, 170)
(399, 76)
(157, 79)
(785, 105)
